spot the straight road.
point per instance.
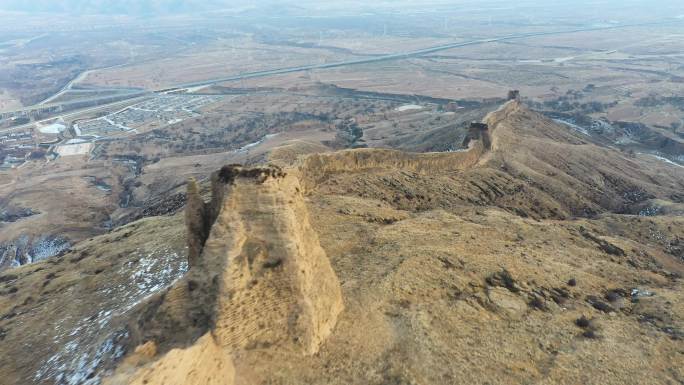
(408, 54)
(388, 57)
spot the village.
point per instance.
(51, 140)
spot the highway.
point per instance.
(66, 88)
(119, 94)
(73, 81)
(404, 55)
(75, 113)
(375, 59)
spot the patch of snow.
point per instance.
(665, 160)
(452, 149)
(49, 247)
(650, 211)
(95, 341)
(563, 59)
(638, 293)
(408, 107)
(115, 124)
(76, 141)
(103, 188)
(23, 250)
(54, 128)
(624, 140)
(602, 126)
(258, 142)
(574, 126)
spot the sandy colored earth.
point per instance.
(518, 261)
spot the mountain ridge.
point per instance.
(468, 267)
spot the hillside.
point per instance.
(521, 259)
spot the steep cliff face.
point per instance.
(278, 287)
(258, 279)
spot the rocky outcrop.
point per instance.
(513, 95)
(278, 287)
(480, 132)
(258, 278)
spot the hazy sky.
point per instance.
(147, 7)
(117, 6)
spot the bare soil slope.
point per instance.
(517, 261)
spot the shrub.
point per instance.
(583, 322)
(591, 334)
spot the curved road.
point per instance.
(66, 87)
